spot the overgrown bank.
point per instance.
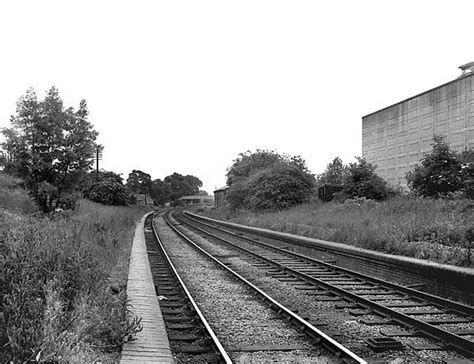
(62, 283)
(437, 230)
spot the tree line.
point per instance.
(440, 173)
(52, 149)
(267, 180)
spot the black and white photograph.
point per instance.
(264, 181)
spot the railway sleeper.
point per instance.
(180, 326)
(179, 336)
(193, 349)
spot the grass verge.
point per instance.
(62, 283)
(437, 230)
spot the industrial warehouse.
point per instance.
(397, 137)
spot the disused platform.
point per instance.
(151, 344)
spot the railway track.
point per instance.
(448, 324)
(339, 352)
(190, 336)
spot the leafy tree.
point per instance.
(439, 172)
(139, 182)
(362, 181)
(108, 192)
(266, 180)
(105, 187)
(334, 174)
(182, 185)
(247, 163)
(49, 147)
(160, 192)
(194, 184)
(279, 186)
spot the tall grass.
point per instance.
(13, 197)
(62, 284)
(438, 230)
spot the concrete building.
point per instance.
(397, 137)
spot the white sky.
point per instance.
(185, 86)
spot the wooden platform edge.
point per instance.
(151, 345)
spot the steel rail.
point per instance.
(458, 343)
(329, 343)
(209, 330)
(435, 300)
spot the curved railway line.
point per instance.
(188, 331)
(175, 306)
(447, 324)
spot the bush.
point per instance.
(467, 173)
(278, 187)
(439, 173)
(362, 181)
(108, 192)
(266, 180)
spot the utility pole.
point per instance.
(98, 156)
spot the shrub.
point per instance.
(278, 187)
(439, 173)
(108, 192)
(266, 180)
(334, 174)
(362, 181)
(466, 159)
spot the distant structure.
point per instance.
(327, 192)
(219, 197)
(467, 69)
(397, 137)
(196, 199)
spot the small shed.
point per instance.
(219, 197)
(326, 192)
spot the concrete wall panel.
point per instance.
(396, 137)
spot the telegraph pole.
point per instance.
(98, 156)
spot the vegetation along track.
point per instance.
(379, 304)
(275, 331)
(191, 338)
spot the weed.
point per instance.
(438, 230)
(55, 284)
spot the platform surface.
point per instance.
(151, 344)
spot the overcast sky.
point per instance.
(185, 86)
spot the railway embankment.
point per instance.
(63, 279)
(439, 279)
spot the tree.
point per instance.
(267, 180)
(439, 172)
(160, 192)
(334, 174)
(105, 187)
(180, 185)
(279, 186)
(248, 162)
(362, 181)
(49, 147)
(139, 182)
